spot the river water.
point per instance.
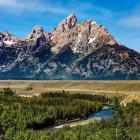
(103, 114)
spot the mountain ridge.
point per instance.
(71, 51)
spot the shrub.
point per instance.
(29, 88)
(8, 91)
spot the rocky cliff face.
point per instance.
(71, 51)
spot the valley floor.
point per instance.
(108, 88)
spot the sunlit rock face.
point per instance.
(72, 50)
(85, 37)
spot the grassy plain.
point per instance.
(108, 88)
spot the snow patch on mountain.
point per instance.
(9, 42)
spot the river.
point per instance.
(103, 114)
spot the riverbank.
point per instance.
(103, 114)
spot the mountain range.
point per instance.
(71, 51)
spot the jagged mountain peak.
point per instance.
(8, 38)
(70, 17)
(37, 29)
(71, 51)
(86, 36)
(36, 32)
(67, 23)
(6, 34)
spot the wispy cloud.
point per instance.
(82, 9)
(131, 20)
(18, 5)
(11, 4)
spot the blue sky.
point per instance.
(121, 17)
